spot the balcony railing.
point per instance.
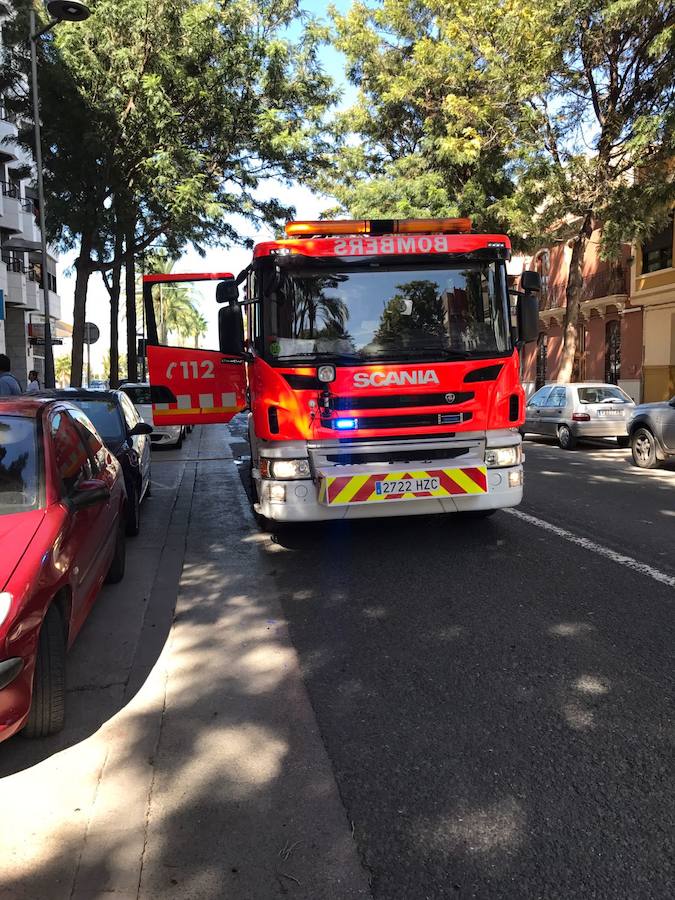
(603, 284)
(9, 189)
(28, 205)
(14, 265)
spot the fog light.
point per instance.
(277, 493)
(289, 468)
(326, 374)
(500, 457)
(515, 478)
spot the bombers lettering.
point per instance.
(359, 246)
(383, 379)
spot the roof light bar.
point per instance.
(330, 227)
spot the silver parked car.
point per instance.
(140, 396)
(572, 412)
(651, 429)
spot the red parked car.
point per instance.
(62, 533)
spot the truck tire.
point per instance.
(47, 708)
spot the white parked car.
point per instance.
(166, 435)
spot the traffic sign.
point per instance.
(91, 333)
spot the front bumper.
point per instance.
(304, 501)
(15, 696)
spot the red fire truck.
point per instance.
(379, 361)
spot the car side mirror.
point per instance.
(89, 493)
(140, 428)
(527, 311)
(530, 282)
(231, 330)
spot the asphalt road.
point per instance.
(497, 700)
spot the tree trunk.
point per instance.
(575, 284)
(130, 284)
(114, 316)
(83, 270)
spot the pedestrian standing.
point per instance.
(9, 386)
(33, 382)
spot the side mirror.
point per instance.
(530, 282)
(89, 493)
(231, 330)
(527, 310)
(140, 428)
(227, 292)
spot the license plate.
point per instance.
(610, 412)
(408, 486)
(434, 484)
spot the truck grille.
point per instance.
(422, 420)
(398, 401)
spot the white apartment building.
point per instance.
(21, 296)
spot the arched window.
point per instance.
(613, 351)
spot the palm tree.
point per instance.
(176, 308)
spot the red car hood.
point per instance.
(17, 530)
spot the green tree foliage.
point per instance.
(161, 119)
(549, 118)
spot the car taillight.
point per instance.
(581, 417)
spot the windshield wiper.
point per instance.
(320, 354)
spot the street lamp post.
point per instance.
(62, 11)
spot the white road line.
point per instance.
(620, 558)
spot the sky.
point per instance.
(308, 205)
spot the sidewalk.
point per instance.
(211, 781)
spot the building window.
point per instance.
(657, 252)
(613, 352)
(542, 343)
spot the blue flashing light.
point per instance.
(346, 424)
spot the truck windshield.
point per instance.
(388, 313)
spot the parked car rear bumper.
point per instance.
(613, 428)
(168, 434)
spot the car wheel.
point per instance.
(623, 442)
(565, 438)
(47, 708)
(134, 512)
(643, 448)
(148, 490)
(179, 442)
(119, 560)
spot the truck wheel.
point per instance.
(47, 708)
(565, 438)
(119, 560)
(643, 448)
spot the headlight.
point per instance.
(5, 603)
(284, 469)
(499, 457)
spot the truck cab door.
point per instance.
(190, 386)
(195, 387)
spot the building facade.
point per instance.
(653, 287)
(22, 304)
(610, 332)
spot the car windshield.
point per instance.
(19, 481)
(602, 394)
(105, 417)
(138, 395)
(392, 312)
